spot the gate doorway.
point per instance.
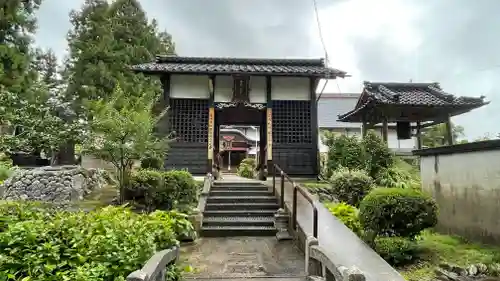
(240, 132)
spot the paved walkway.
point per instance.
(242, 257)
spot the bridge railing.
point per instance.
(155, 268)
(319, 265)
(296, 190)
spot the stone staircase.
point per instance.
(239, 208)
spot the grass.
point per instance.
(440, 248)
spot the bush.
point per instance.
(378, 155)
(152, 163)
(39, 243)
(165, 190)
(249, 161)
(397, 251)
(397, 212)
(347, 214)
(245, 171)
(350, 186)
(343, 151)
(180, 190)
(396, 177)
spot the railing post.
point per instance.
(294, 208)
(315, 222)
(274, 184)
(282, 190)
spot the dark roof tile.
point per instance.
(205, 65)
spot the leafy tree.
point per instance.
(436, 135)
(122, 131)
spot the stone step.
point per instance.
(219, 192)
(239, 213)
(228, 231)
(239, 187)
(237, 183)
(241, 206)
(238, 221)
(241, 199)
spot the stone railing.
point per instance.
(320, 267)
(207, 183)
(155, 268)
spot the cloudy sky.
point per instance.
(454, 42)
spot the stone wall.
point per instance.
(52, 184)
(465, 181)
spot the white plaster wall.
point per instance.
(290, 88)
(189, 86)
(466, 187)
(223, 89)
(257, 89)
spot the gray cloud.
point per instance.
(459, 41)
(459, 48)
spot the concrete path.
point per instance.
(243, 257)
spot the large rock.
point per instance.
(52, 184)
(479, 272)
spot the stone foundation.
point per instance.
(53, 184)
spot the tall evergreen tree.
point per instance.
(105, 40)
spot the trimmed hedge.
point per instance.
(351, 186)
(397, 212)
(397, 251)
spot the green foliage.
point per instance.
(245, 171)
(347, 214)
(165, 190)
(397, 251)
(396, 177)
(152, 163)
(350, 186)
(397, 212)
(343, 151)
(249, 161)
(178, 222)
(377, 154)
(436, 135)
(122, 131)
(40, 243)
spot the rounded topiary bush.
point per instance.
(246, 171)
(397, 212)
(350, 186)
(397, 251)
(143, 184)
(347, 214)
(152, 163)
(181, 190)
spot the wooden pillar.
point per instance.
(269, 126)
(419, 135)
(449, 132)
(211, 124)
(364, 128)
(385, 130)
(314, 125)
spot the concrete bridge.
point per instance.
(272, 230)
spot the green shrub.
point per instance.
(245, 171)
(178, 222)
(152, 163)
(166, 190)
(180, 190)
(106, 244)
(343, 151)
(249, 161)
(396, 177)
(347, 214)
(397, 251)
(378, 155)
(350, 186)
(5, 167)
(397, 212)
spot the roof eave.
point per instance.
(263, 73)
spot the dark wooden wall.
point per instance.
(188, 118)
(294, 149)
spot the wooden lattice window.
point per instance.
(292, 121)
(189, 119)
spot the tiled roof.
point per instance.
(409, 94)
(205, 65)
